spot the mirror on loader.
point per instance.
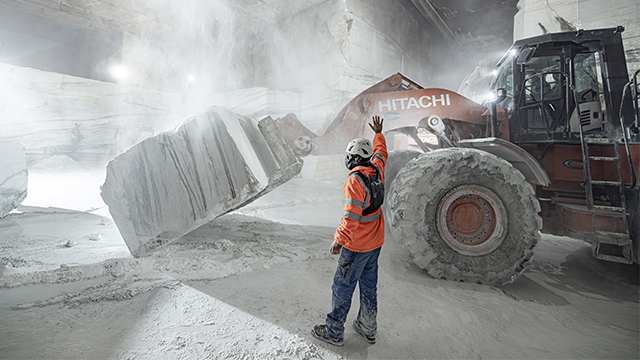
(495, 97)
(525, 55)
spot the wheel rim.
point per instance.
(472, 220)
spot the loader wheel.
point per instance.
(465, 215)
(395, 162)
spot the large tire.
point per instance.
(465, 215)
(395, 162)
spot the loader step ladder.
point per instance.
(610, 246)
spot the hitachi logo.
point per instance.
(407, 103)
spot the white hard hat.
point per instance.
(360, 147)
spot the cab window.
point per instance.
(542, 79)
(586, 77)
(504, 79)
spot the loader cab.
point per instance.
(547, 75)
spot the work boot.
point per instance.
(356, 326)
(320, 332)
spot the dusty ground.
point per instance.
(250, 285)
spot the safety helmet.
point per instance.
(360, 147)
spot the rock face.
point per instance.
(535, 17)
(40, 109)
(174, 182)
(13, 177)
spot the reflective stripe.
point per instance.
(379, 171)
(355, 202)
(371, 218)
(362, 219)
(378, 155)
(351, 216)
(366, 189)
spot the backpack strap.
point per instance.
(377, 169)
(365, 184)
(369, 189)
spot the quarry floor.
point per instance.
(251, 284)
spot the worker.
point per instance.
(532, 87)
(358, 239)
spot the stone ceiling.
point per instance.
(472, 22)
(135, 16)
(476, 25)
(92, 14)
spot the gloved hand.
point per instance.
(377, 124)
(335, 248)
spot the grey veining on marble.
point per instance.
(40, 108)
(13, 177)
(174, 182)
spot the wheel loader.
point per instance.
(471, 186)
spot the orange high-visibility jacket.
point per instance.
(357, 232)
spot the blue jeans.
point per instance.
(353, 268)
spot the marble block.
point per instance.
(174, 182)
(13, 177)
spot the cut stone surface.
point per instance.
(536, 16)
(13, 177)
(213, 163)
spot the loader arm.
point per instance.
(398, 100)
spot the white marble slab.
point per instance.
(13, 177)
(174, 182)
